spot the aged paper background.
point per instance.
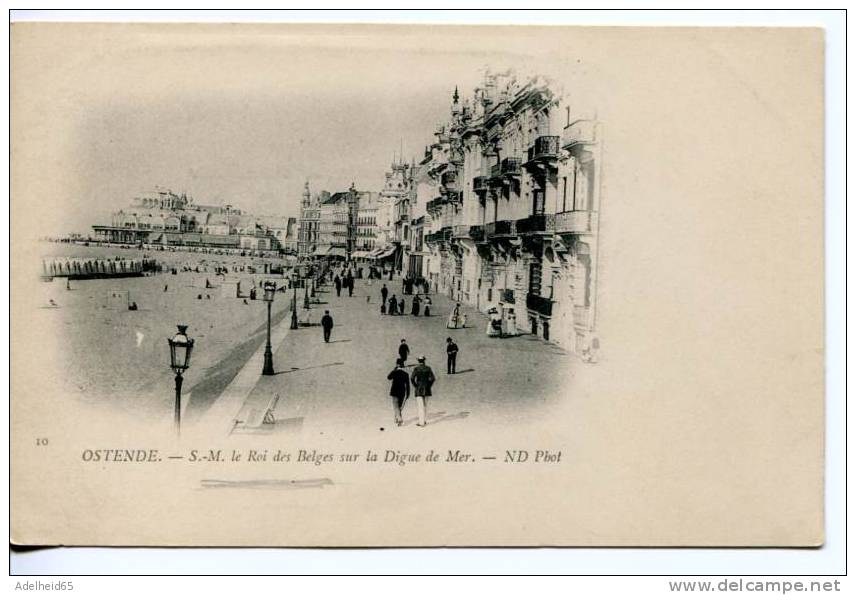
(701, 425)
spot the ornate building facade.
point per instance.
(513, 221)
(163, 217)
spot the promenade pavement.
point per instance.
(342, 384)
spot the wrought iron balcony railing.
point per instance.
(538, 304)
(545, 148)
(509, 166)
(576, 222)
(536, 224)
(500, 228)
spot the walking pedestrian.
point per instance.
(427, 306)
(393, 305)
(401, 306)
(399, 390)
(383, 307)
(327, 325)
(350, 286)
(384, 292)
(414, 310)
(451, 355)
(403, 351)
(422, 378)
(338, 283)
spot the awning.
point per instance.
(360, 254)
(337, 251)
(385, 252)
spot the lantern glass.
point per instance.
(270, 290)
(180, 348)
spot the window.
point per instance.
(565, 193)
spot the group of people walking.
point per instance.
(394, 306)
(346, 281)
(422, 378)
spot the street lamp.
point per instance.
(180, 348)
(270, 290)
(294, 304)
(305, 294)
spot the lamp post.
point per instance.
(294, 304)
(305, 294)
(312, 293)
(180, 348)
(270, 290)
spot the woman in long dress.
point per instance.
(455, 317)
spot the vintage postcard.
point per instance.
(318, 285)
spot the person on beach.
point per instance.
(327, 325)
(399, 390)
(451, 355)
(423, 379)
(403, 351)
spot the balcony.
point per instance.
(545, 149)
(509, 167)
(576, 222)
(504, 171)
(535, 224)
(579, 133)
(461, 231)
(499, 229)
(435, 205)
(449, 181)
(480, 184)
(538, 304)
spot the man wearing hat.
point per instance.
(399, 389)
(422, 379)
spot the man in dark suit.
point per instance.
(403, 351)
(451, 355)
(399, 389)
(422, 379)
(327, 325)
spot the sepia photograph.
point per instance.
(403, 285)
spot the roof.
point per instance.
(274, 220)
(334, 198)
